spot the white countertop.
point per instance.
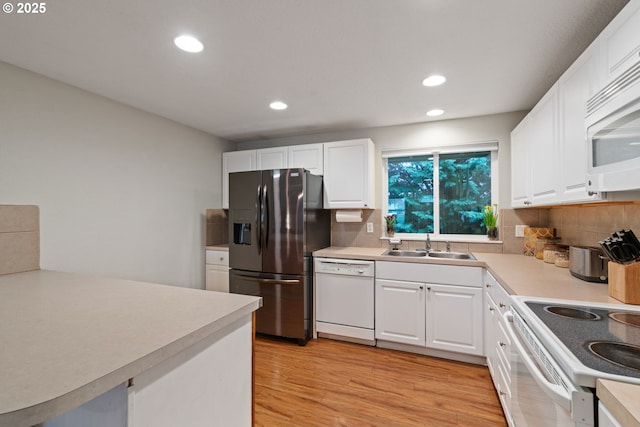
(67, 338)
(221, 247)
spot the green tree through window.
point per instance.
(463, 192)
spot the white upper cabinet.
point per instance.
(349, 174)
(534, 155)
(235, 161)
(575, 87)
(620, 41)
(307, 156)
(520, 165)
(549, 147)
(272, 158)
(543, 150)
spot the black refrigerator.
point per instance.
(276, 221)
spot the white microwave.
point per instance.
(613, 135)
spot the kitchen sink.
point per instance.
(400, 252)
(452, 255)
(433, 254)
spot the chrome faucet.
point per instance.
(428, 244)
(448, 247)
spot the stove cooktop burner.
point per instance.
(625, 355)
(631, 319)
(579, 328)
(572, 312)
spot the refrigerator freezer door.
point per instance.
(245, 251)
(285, 307)
(283, 244)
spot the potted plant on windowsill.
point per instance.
(390, 221)
(491, 221)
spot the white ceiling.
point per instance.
(339, 64)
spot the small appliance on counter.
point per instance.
(588, 263)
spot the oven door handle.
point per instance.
(556, 392)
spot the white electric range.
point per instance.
(560, 349)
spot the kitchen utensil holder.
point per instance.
(624, 282)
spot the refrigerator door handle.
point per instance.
(259, 217)
(267, 216)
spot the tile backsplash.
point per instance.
(586, 225)
(574, 224)
(216, 227)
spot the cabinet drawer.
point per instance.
(430, 273)
(497, 293)
(217, 257)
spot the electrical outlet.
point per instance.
(369, 227)
(520, 230)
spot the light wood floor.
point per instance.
(333, 383)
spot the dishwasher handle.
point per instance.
(556, 392)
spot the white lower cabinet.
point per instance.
(497, 342)
(400, 311)
(429, 305)
(452, 318)
(606, 418)
(207, 384)
(217, 270)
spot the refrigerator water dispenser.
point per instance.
(242, 233)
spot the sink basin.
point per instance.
(452, 255)
(400, 252)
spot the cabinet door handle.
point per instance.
(502, 344)
(421, 287)
(502, 305)
(488, 285)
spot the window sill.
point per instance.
(457, 238)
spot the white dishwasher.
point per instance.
(345, 299)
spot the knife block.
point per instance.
(624, 282)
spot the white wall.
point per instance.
(122, 193)
(496, 127)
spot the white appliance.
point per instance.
(345, 299)
(613, 135)
(559, 350)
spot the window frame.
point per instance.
(491, 146)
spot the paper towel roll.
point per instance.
(349, 216)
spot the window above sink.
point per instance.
(441, 190)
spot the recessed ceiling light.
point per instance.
(436, 112)
(188, 44)
(278, 105)
(434, 80)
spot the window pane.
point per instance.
(411, 193)
(465, 189)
